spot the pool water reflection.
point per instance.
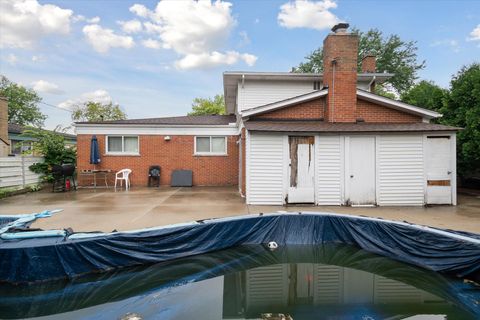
(252, 282)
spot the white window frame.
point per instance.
(122, 153)
(210, 153)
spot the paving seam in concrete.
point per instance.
(156, 205)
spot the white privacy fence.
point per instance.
(15, 172)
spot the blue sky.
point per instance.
(154, 60)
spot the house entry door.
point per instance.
(439, 171)
(361, 175)
(302, 172)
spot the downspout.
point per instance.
(334, 63)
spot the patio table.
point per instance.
(104, 172)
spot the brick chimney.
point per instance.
(3, 127)
(340, 49)
(369, 64)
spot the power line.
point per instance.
(56, 107)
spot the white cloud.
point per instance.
(79, 17)
(102, 40)
(152, 44)
(11, 59)
(23, 22)
(43, 86)
(214, 59)
(100, 96)
(452, 43)
(140, 10)
(475, 34)
(244, 37)
(308, 14)
(131, 26)
(197, 30)
(94, 20)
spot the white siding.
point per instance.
(258, 93)
(265, 169)
(400, 172)
(327, 284)
(328, 175)
(267, 286)
(392, 291)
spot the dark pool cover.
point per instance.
(42, 259)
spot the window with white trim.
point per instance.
(211, 145)
(122, 145)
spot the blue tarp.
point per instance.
(31, 260)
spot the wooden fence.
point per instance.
(14, 171)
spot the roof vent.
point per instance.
(340, 27)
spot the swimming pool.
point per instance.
(328, 281)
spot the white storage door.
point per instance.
(265, 169)
(361, 171)
(439, 170)
(400, 170)
(328, 170)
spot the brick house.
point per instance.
(324, 138)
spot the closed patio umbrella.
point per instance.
(94, 151)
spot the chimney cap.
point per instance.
(342, 26)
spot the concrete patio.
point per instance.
(106, 210)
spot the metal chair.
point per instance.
(154, 174)
(123, 175)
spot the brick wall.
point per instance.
(314, 110)
(169, 155)
(371, 112)
(308, 110)
(342, 83)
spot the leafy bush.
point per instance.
(51, 145)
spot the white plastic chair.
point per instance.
(123, 175)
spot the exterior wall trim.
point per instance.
(100, 129)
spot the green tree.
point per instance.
(425, 94)
(22, 104)
(208, 106)
(462, 109)
(52, 146)
(394, 55)
(95, 112)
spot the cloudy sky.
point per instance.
(154, 57)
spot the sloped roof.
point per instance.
(207, 120)
(18, 129)
(321, 126)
